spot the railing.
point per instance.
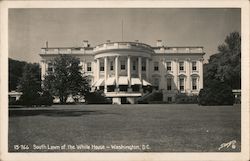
(123, 45)
(66, 51)
(179, 50)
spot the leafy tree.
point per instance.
(30, 84)
(226, 64)
(15, 73)
(222, 73)
(66, 79)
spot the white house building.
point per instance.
(126, 70)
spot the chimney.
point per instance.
(85, 43)
(159, 43)
(47, 44)
(136, 40)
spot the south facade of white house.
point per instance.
(128, 71)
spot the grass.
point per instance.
(165, 128)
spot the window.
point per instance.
(134, 65)
(123, 67)
(181, 66)
(194, 83)
(143, 66)
(156, 83)
(169, 66)
(88, 66)
(181, 84)
(169, 84)
(156, 66)
(50, 67)
(101, 66)
(111, 66)
(194, 66)
(169, 99)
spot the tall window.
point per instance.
(169, 84)
(134, 65)
(143, 66)
(181, 66)
(50, 67)
(88, 66)
(156, 66)
(194, 83)
(123, 67)
(181, 84)
(101, 66)
(194, 65)
(156, 83)
(169, 66)
(111, 66)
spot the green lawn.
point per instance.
(165, 127)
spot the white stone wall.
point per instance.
(162, 56)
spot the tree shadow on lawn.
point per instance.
(55, 113)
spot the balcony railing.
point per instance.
(179, 50)
(122, 45)
(66, 51)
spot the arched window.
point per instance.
(169, 83)
(181, 84)
(156, 83)
(194, 83)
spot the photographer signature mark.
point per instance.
(228, 144)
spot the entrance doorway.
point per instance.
(124, 100)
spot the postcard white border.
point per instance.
(243, 155)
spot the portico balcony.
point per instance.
(134, 46)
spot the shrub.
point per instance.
(218, 93)
(183, 98)
(36, 99)
(45, 99)
(96, 97)
(29, 99)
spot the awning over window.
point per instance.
(100, 82)
(135, 81)
(123, 81)
(145, 83)
(110, 81)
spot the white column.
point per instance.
(201, 73)
(175, 73)
(116, 72)
(129, 71)
(139, 68)
(147, 69)
(97, 69)
(139, 73)
(43, 69)
(105, 73)
(188, 82)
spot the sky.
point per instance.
(29, 29)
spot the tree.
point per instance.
(66, 79)
(30, 84)
(15, 73)
(222, 73)
(226, 64)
